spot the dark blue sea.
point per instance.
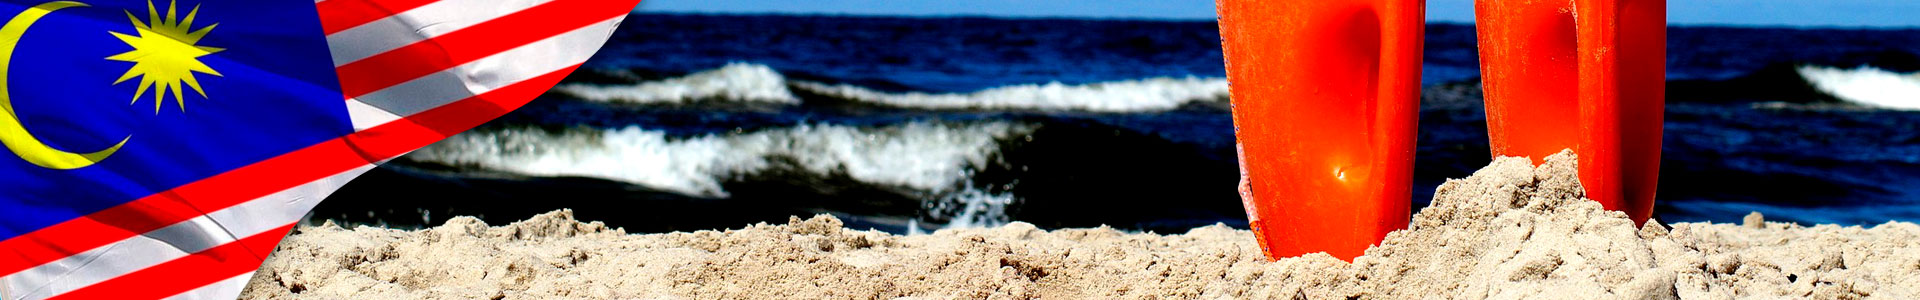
(688, 122)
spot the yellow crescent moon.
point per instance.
(14, 135)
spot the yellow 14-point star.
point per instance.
(165, 55)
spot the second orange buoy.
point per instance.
(1587, 75)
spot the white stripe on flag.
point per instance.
(502, 69)
(225, 289)
(416, 25)
(366, 116)
(94, 266)
(177, 240)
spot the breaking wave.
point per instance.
(1866, 85)
(755, 83)
(733, 82)
(936, 158)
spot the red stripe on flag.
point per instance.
(475, 42)
(268, 176)
(340, 15)
(186, 273)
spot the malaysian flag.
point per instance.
(162, 148)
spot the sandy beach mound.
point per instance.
(1509, 231)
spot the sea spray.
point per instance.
(972, 208)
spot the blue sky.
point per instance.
(1823, 13)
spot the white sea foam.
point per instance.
(975, 208)
(1153, 94)
(733, 82)
(933, 157)
(1866, 85)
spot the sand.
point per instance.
(1509, 231)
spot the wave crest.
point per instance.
(1153, 94)
(932, 157)
(755, 83)
(733, 82)
(1866, 85)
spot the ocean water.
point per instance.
(687, 122)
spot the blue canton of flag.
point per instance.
(185, 114)
(110, 101)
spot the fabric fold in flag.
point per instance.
(161, 148)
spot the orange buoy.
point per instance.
(1325, 103)
(1587, 75)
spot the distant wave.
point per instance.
(733, 82)
(1153, 94)
(1866, 85)
(754, 83)
(926, 156)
